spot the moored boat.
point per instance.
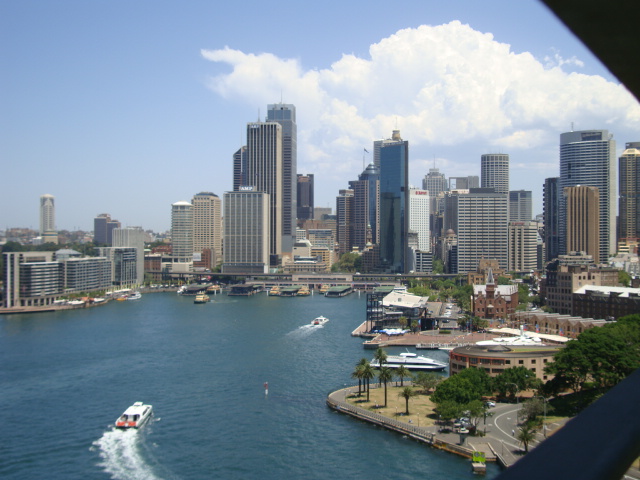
(411, 361)
(135, 416)
(134, 296)
(274, 291)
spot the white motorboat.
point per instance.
(411, 361)
(319, 320)
(135, 416)
(134, 296)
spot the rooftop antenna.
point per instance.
(258, 114)
(572, 126)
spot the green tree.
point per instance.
(427, 380)
(526, 435)
(438, 267)
(448, 410)
(358, 373)
(367, 374)
(385, 376)
(513, 380)
(402, 372)
(624, 278)
(380, 357)
(407, 393)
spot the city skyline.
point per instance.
(120, 98)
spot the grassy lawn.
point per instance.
(420, 407)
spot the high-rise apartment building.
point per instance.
(587, 157)
(520, 206)
(48, 219)
(551, 219)
(285, 115)
(305, 197)
(131, 237)
(207, 227)
(394, 203)
(479, 219)
(247, 227)
(265, 174)
(523, 246)
(182, 235)
(494, 172)
(583, 220)
(629, 206)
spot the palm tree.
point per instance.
(402, 372)
(367, 374)
(385, 375)
(357, 373)
(380, 357)
(407, 393)
(526, 434)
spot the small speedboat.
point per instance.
(134, 296)
(135, 416)
(319, 321)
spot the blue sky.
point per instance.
(127, 107)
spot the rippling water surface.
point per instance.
(66, 376)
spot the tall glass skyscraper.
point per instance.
(588, 157)
(629, 167)
(394, 202)
(285, 115)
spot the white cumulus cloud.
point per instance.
(448, 88)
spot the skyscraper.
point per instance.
(523, 246)
(132, 237)
(583, 220)
(207, 227)
(551, 220)
(464, 183)
(265, 173)
(240, 168)
(344, 221)
(587, 157)
(48, 219)
(629, 211)
(435, 182)
(419, 217)
(103, 227)
(305, 197)
(182, 235)
(371, 175)
(494, 172)
(285, 115)
(520, 206)
(247, 228)
(394, 203)
(480, 221)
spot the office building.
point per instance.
(464, 183)
(247, 228)
(551, 217)
(523, 246)
(583, 220)
(240, 169)
(494, 172)
(48, 219)
(124, 265)
(103, 227)
(131, 237)
(207, 229)
(520, 206)
(371, 175)
(629, 206)
(434, 182)
(479, 219)
(394, 203)
(265, 174)
(285, 115)
(419, 217)
(344, 221)
(587, 157)
(305, 197)
(182, 236)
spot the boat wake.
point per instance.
(304, 330)
(124, 456)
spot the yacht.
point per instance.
(412, 361)
(135, 416)
(319, 321)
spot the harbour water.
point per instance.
(66, 376)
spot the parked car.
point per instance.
(491, 403)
